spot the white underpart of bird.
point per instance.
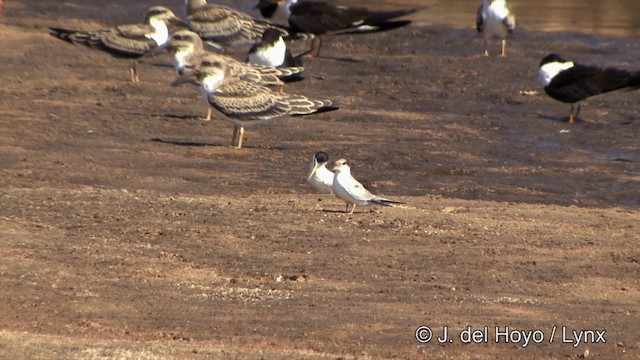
(320, 178)
(496, 12)
(274, 56)
(548, 71)
(282, 13)
(179, 59)
(210, 84)
(351, 191)
(160, 34)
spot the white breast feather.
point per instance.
(160, 34)
(548, 71)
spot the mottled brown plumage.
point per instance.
(223, 25)
(125, 41)
(188, 52)
(246, 103)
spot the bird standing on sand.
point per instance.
(320, 17)
(348, 189)
(570, 82)
(188, 52)
(245, 103)
(494, 19)
(320, 178)
(127, 41)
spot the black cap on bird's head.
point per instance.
(551, 58)
(267, 7)
(321, 157)
(270, 36)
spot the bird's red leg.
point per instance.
(572, 115)
(316, 43)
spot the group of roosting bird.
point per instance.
(251, 91)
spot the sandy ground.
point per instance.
(130, 229)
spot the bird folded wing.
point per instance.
(242, 100)
(133, 31)
(128, 46)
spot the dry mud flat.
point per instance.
(130, 230)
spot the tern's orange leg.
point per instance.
(238, 136)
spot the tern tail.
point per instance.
(385, 202)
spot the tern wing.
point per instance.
(357, 191)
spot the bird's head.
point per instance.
(164, 14)
(550, 66)
(184, 40)
(319, 159)
(341, 165)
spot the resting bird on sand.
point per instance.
(223, 25)
(347, 188)
(188, 52)
(320, 17)
(245, 103)
(570, 82)
(126, 41)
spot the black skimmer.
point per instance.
(246, 103)
(349, 190)
(224, 26)
(495, 20)
(319, 17)
(570, 82)
(320, 178)
(126, 41)
(272, 51)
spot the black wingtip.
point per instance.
(60, 33)
(318, 111)
(327, 109)
(387, 202)
(385, 26)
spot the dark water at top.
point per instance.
(600, 17)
